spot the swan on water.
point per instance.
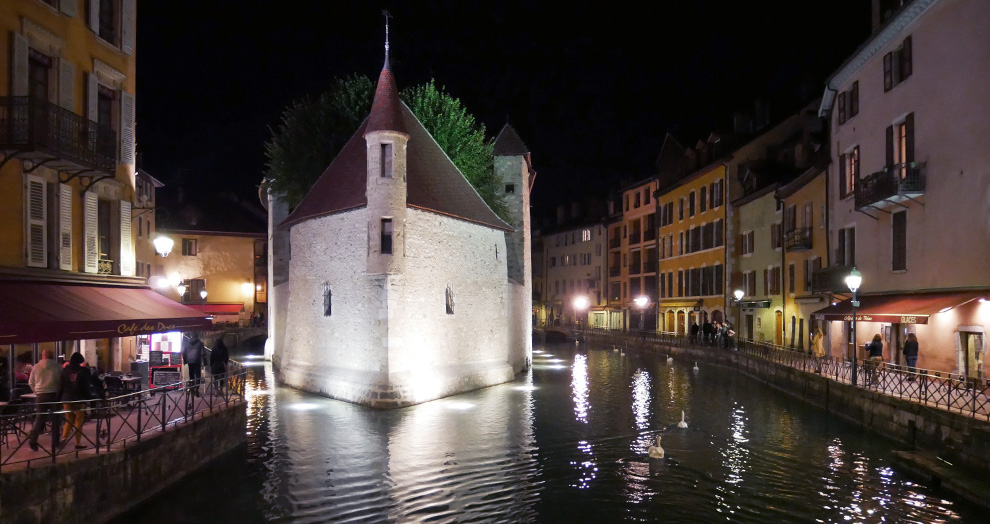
(682, 424)
(695, 366)
(656, 452)
(670, 359)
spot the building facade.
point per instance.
(400, 287)
(67, 259)
(908, 173)
(574, 270)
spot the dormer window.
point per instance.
(386, 160)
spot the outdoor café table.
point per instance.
(132, 384)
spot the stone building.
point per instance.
(403, 286)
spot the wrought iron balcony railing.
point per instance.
(896, 182)
(44, 131)
(105, 267)
(798, 239)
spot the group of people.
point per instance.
(194, 353)
(718, 334)
(70, 385)
(874, 350)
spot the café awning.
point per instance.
(44, 312)
(903, 308)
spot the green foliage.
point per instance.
(461, 137)
(313, 131)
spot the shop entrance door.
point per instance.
(749, 327)
(778, 334)
(972, 344)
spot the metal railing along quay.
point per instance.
(937, 389)
(113, 423)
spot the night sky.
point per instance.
(591, 91)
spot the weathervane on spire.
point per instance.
(387, 15)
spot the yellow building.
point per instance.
(67, 80)
(805, 251)
(692, 241)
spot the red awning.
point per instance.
(218, 309)
(43, 312)
(905, 308)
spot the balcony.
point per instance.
(105, 267)
(634, 268)
(798, 239)
(649, 235)
(614, 243)
(47, 134)
(891, 186)
(614, 271)
(634, 238)
(830, 279)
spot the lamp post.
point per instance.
(642, 302)
(202, 295)
(181, 288)
(738, 294)
(580, 305)
(163, 245)
(853, 281)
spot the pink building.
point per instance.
(909, 187)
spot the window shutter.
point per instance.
(840, 253)
(909, 138)
(851, 240)
(91, 252)
(68, 7)
(127, 24)
(126, 242)
(890, 146)
(65, 227)
(906, 67)
(854, 99)
(842, 107)
(92, 97)
(19, 59)
(94, 15)
(37, 221)
(126, 128)
(843, 185)
(766, 282)
(66, 84)
(888, 72)
(899, 241)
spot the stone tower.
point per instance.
(513, 165)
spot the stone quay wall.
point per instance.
(95, 488)
(958, 439)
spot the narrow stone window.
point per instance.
(386, 161)
(386, 236)
(450, 299)
(510, 188)
(327, 299)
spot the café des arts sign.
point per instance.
(890, 319)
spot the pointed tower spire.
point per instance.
(387, 15)
(386, 113)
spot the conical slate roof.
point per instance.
(508, 143)
(433, 182)
(385, 108)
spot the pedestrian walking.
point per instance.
(706, 332)
(818, 348)
(44, 380)
(74, 389)
(875, 349)
(695, 329)
(192, 354)
(911, 354)
(717, 332)
(218, 364)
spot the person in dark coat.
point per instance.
(911, 353)
(218, 363)
(706, 330)
(193, 352)
(74, 389)
(875, 348)
(694, 332)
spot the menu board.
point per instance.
(165, 376)
(155, 358)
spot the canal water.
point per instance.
(566, 442)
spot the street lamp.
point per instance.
(163, 245)
(181, 288)
(853, 281)
(202, 295)
(642, 302)
(580, 304)
(738, 294)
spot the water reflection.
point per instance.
(564, 443)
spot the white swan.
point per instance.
(682, 424)
(670, 359)
(615, 348)
(695, 366)
(656, 452)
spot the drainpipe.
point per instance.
(783, 270)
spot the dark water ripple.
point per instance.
(565, 443)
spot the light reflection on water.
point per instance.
(565, 442)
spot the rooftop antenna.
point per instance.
(387, 15)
